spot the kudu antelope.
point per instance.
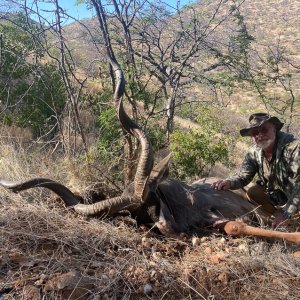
(174, 207)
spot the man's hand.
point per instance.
(221, 185)
(280, 220)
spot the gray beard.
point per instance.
(264, 144)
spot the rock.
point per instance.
(243, 248)
(222, 241)
(71, 285)
(215, 259)
(224, 278)
(148, 289)
(195, 241)
(208, 250)
(296, 254)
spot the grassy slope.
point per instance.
(57, 255)
(50, 253)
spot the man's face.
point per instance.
(264, 136)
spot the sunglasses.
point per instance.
(257, 131)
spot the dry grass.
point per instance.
(22, 160)
(62, 256)
(48, 252)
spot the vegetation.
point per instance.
(57, 255)
(50, 252)
(31, 91)
(196, 151)
(193, 75)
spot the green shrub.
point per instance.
(110, 136)
(195, 152)
(33, 92)
(156, 134)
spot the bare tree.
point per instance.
(274, 75)
(170, 50)
(50, 38)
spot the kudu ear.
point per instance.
(160, 171)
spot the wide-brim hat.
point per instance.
(257, 120)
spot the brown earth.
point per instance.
(53, 254)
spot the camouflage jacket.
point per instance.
(285, 171)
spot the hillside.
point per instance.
(275, 28)
(269, 21)
(272, 22)
(51, 252)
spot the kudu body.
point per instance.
(173, 206)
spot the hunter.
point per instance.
(275, 158)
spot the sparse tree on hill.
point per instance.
(31, 91)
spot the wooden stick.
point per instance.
(235, 228)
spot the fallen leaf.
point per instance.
(224, 278)
(21, 260)
(296, 254)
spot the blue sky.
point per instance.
(81, 11)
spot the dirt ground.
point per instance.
(48, 252)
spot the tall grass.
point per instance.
(49, 252)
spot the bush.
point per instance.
(32, 93)
(195, 152)
(110, 142)
(156, 134)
